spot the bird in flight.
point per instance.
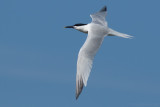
(96, 31)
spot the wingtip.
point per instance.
(103, 9)
(79, 87)
(77, 97)
(79, 92)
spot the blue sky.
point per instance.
(38, 56)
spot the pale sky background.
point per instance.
(38, 56)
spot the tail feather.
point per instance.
(115, 33)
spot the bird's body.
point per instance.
(96, 30)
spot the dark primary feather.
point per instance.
(103, 9)
(79, 86)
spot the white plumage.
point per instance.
(96, 30)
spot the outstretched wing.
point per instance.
(99, 17)
(84, 65)
(86, 56)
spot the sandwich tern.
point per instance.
(96, 31)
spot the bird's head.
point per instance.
(75, 25)
(79, 26)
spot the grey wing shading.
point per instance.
(85, 59)
(84, 65)
(99, 17)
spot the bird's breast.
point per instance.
(98, 30)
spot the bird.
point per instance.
(96, 30)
